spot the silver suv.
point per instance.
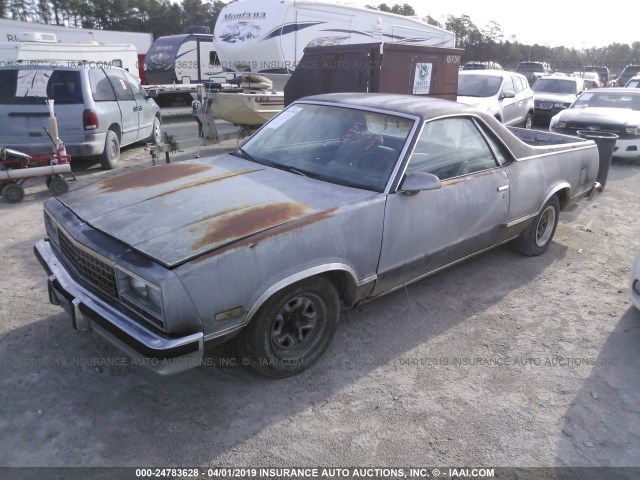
(98, 110)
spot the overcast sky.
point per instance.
(546, 22)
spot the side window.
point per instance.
(214, 61)
(124, 90)
(135, 85)
(449, 148)
(100, 86)
(517, 84)
(508, 85)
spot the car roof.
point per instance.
(560, 77)
(629, 91)
(63, 65)
(491, 73)
(416, 105)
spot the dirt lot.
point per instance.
(501, 361)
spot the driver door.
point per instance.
(434, 228)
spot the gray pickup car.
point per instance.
(339, 199)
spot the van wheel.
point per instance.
(111, 154)
(536, 238)
(292, 330)
(156, 134)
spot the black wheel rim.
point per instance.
(12, 193)
(297, 326)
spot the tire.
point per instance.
(292, 330)
(528, 121)
(156, 132)
(13, 192)
(58, 186)
(110, 157)
(536, 238)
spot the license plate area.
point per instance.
(58, 296)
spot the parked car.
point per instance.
(534, 70)
(505, 95)
(474, 65)
(603, 73)
(634, 82)
(98, 110)
(339, 199)
(554, 93)
(635, 282)
(626, 74)
(615, 110)
(590, 79)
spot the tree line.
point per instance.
(163, 17)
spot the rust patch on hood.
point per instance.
(272, 232)
(247, 222)
(153, 176)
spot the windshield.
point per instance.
(347, 146)
(553, 85)
(478, 85)
(608, 100)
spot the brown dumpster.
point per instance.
(376, 68)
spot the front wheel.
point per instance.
(58, 185)
(13, 192)
(536, 238)
(156, 135)
(292, 330)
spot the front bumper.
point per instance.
(628, 149)
(162, 354)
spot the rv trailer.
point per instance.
(269, 36)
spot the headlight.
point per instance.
(561, 105)
(140, 292)
(51, 227)
(634, 130)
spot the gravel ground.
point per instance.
(500, 361)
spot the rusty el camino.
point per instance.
(339, 199)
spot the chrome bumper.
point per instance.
(160, 353)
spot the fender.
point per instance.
(555, 189)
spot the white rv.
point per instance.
(46, 52)
(269, 36)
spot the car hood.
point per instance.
(554, 97)
(176, 212)
(481, 103)
(599, 115)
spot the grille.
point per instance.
(620, 131)
(89, 266)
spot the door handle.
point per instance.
(503, 188)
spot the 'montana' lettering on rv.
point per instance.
(246, 16)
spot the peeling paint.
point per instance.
(153, 176)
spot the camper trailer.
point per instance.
(269, 36)
(47, 52)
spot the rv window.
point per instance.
(100, 86)
(124, 91)
(116, 63)
(214, 61)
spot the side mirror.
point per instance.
(153, 93)
(508, 94)
(416, 182)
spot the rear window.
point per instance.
(32, 87)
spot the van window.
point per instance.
(63, 86)
(214, 61)
(101, 86)
(123, 88)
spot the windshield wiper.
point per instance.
(294, 170)
(246, 155)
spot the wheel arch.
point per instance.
(342, 276)
(562, 190)
(115, 127)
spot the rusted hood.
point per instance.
(179, 211)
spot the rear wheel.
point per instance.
(156, 134)
(13, 192)
(111, 154)
(536, 238)
(528, 121)
(292, 330)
